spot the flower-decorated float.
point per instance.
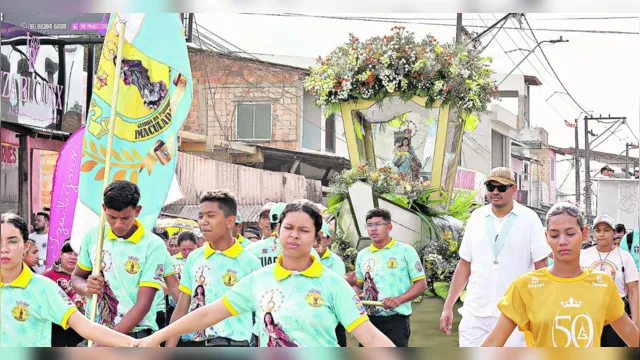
(404, 104)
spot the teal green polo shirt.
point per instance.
(30, 304)
(127, 265)
(206, 276)
(296, 309)
(388, 272)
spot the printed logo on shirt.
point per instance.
(132, 266)
(229, 278)
(636, 249)
(268, 260)
(599, 282)
(65, 297)
(392, 263)
(359, 306)
(314, 298)
(159, 272)
(20, 312)
(265, 251)
(535, 283)
(572, 327)
(419, 266)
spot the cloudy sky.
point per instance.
(599, 69)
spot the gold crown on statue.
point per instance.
(271, 304)
(201, 278)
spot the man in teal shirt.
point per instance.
(132, 268)
(213, 269)
(390, 272)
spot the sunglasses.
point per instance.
(501, 188)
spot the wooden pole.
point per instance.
(371, 303)
(107, 165)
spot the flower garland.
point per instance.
(453, 73)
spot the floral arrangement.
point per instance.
(440, 256)
(454, 73)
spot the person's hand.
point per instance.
(94, 284)
(446, 321)
(390, 303)
(149, 341)
(351, 278)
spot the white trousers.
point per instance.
(473, 330)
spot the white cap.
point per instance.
(604, 219)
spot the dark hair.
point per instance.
(66, 248)
(308, 208)
(378, 212)
(162, 233)
(43, 214)
(17, 222)
(603, 169)
(403, 139)
(225, 199)
(621, 228)
(273, 321)
(121, 194)
(254, 231)
(187, 235)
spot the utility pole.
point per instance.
(587, 161)
(626, 157)
(576, 159)
(458, 27)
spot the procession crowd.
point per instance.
(280, 285)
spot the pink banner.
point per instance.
(64, 195)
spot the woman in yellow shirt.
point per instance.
(563, 305)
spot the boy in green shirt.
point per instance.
(390, 272)
(213, 269)
(132, 268)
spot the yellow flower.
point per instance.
(375, 176)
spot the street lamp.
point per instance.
(530, 52)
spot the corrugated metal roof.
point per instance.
(250, 213)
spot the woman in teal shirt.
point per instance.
(295, 301)
(31, 303)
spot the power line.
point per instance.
(552, 69)
(439, 24)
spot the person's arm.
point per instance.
(627, 330)
(199, 319)
(182, 308)
(172, 284)
(460, 278)
(633, 301)
(415, 272)
(500, 332)
(98, 333)
(540, 248)
(85, 284)
(141, 308)
(369, 336)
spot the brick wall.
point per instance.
(47, 167)
(222, 82)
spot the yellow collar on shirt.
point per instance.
(135, 238)
(327, 254)
(232, 252)
(22, 280)
(388, 246)
(314, 271)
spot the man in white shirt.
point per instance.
(40, 236)
(501, 241)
